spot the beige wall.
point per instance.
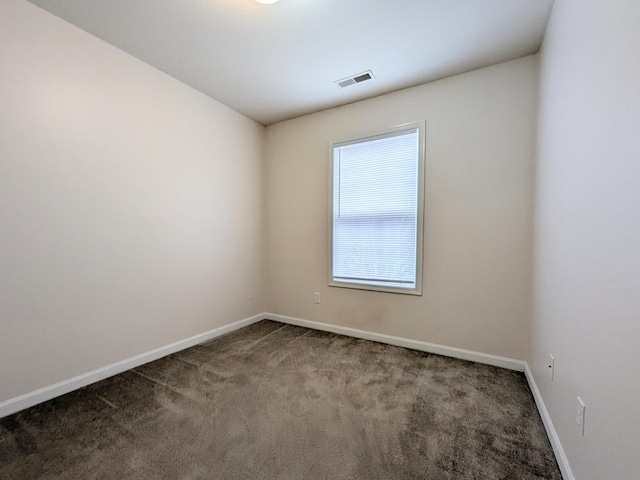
(130, 205)
(132, 215)
(479, 154)
(587, 234)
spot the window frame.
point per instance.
(421, 128)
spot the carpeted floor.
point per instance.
(274, 401)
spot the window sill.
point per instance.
(377, 288)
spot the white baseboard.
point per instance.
(14, 405)
(479, 357)
(485, 358)
(47, 393)
(561, 457)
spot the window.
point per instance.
(376, 211)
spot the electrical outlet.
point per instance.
(252, 295)
(552, 366)
(316, 297)
(581, 409)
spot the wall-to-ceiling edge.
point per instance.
(478, 107)
(131, 207)
(480, 148)
(586, 260)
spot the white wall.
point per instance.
(587, 233)
(130, 205)
(479, 191)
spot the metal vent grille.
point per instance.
(357, 78)
(346, 83)
(362, 78)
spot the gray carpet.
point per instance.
(273, 401)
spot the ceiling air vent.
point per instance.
(358, 78)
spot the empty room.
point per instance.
(320, 239)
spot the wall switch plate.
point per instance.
(580, 414)
(552, 366)
(316, 297)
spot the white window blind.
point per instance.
(376, 210)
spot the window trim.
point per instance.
(421, 127)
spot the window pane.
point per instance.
(375, 202)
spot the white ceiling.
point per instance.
(275, 62)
